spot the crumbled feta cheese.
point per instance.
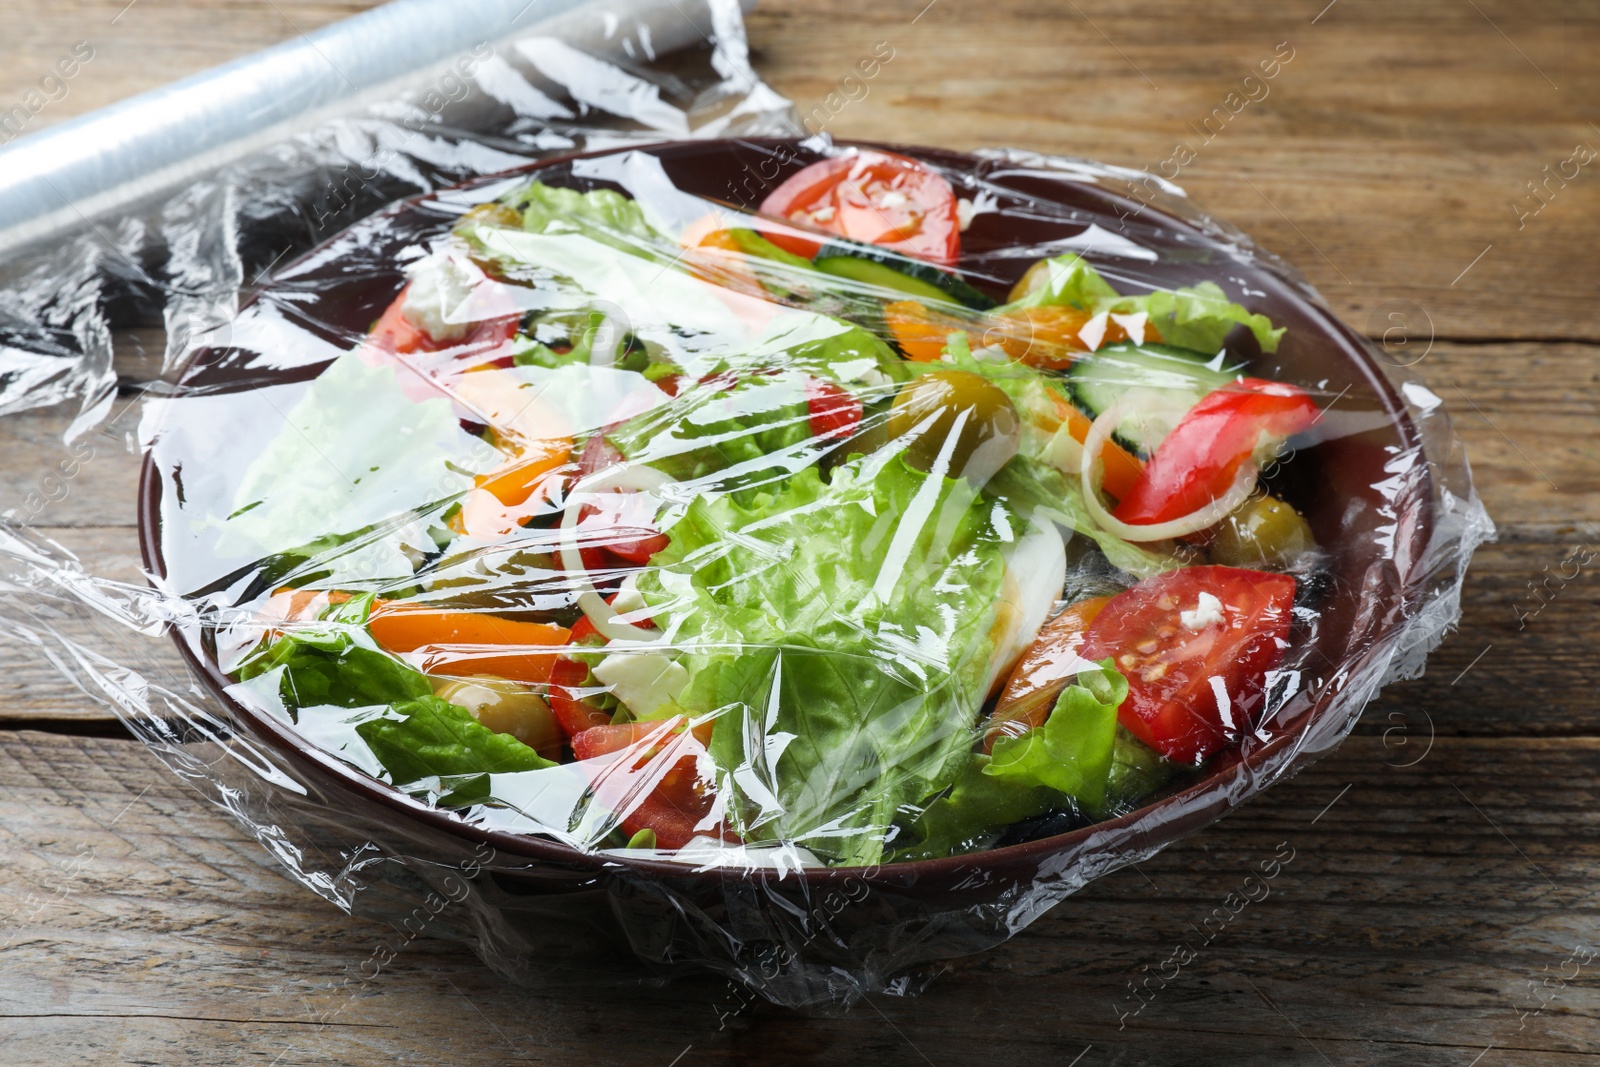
(1207, 610)
(967, 210)
(1133, 325)
(861, 372)
(440, 284)
(643, 680)
(893, 198)
(1094, 331)
(964, 213)
(823, 213)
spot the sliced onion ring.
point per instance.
(1091, 467)
(605, 619)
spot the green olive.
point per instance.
(1264, 532)
(932, 407)
(506, 708)
(1037, 277)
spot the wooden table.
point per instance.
(1440, 907)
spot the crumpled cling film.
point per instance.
(574, 558)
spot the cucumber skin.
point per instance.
(1082, 384)
(902, 273)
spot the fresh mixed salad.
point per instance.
(648, 524)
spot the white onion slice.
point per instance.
(1091, 467)
(639, 477)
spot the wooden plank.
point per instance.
(1389, 152)
(1526, 413)
(1383, 158)
(185, 946)
(1407, 930)
(1531, 599)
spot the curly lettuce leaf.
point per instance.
(600, 214)
(1064, 763)
(1198, 317)
(355, 455)
(753, 417)
(1071, 752)
(413, 735)
(1070, 280)
(841, 633)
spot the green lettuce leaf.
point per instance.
(330, 666)
(430, 737)
(1071, 752)
(1197, 317)
(416, 736)
(600, 214)
(753, 423)
(1064, 763)
(971, 815)
(752, 243)
(841, 633)
(761, 420)
(1068, 280)
(356, 456)
(1137, 770)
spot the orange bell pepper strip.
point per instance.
(537, 438)
(921, 331)
(454, 642)
(1047, 667)
(1049, 338)
(468, 642)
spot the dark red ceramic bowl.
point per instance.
(1373, 525)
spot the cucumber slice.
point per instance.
(901, 274)
(1155, 384)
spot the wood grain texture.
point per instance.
(1382, 159)
(1386, 155)
(138, 924)
(1444, 856)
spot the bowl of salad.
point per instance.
(717, 514)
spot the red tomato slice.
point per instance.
(876, 197)
(1197, 462)
(608, 533)
(572, 712)
(568, 675)
(835, 411)
(393, 332)
(1194, 685)
(628, 777)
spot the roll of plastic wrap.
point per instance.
(61, 177)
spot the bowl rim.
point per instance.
(1181, 811)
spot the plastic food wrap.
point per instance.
(800, 560)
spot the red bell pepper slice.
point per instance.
(1197, 462)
